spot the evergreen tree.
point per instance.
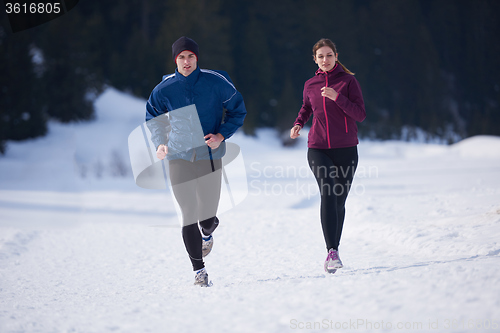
(21, 106)
(256, 69)
(202, 21)
(421, 64)
(288, 105)
(70, 81)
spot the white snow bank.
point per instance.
(481, 146)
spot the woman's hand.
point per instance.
(214, 140)
(329, 92)
(161, 152)
(294, 132)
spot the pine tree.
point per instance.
(21, 104)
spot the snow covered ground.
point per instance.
(83, 249)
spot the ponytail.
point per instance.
(345, 68)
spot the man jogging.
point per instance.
(194, 168)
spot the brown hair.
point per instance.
(326, 42)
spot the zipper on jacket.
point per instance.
(326, 115)
(346, 130)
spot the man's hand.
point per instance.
(214, 140)
(161, 152)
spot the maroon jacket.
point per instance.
(334, 122)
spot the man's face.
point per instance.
(186, 62)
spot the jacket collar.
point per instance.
(336, 69)
(191, 78)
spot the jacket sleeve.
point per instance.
(353, 105)
(305, 111)
(157, 120)
(235, 110)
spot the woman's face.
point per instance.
(325, 58)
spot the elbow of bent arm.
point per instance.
(362, 115)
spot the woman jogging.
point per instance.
(185, 116)
(333, 96)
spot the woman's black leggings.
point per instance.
(334, 171)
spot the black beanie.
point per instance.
(183, 44)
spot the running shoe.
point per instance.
(333, 262)
(201, 278)
(206, 245)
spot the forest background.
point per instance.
(429, 69)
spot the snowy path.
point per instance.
(421, 250)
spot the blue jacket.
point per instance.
(211, 92)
